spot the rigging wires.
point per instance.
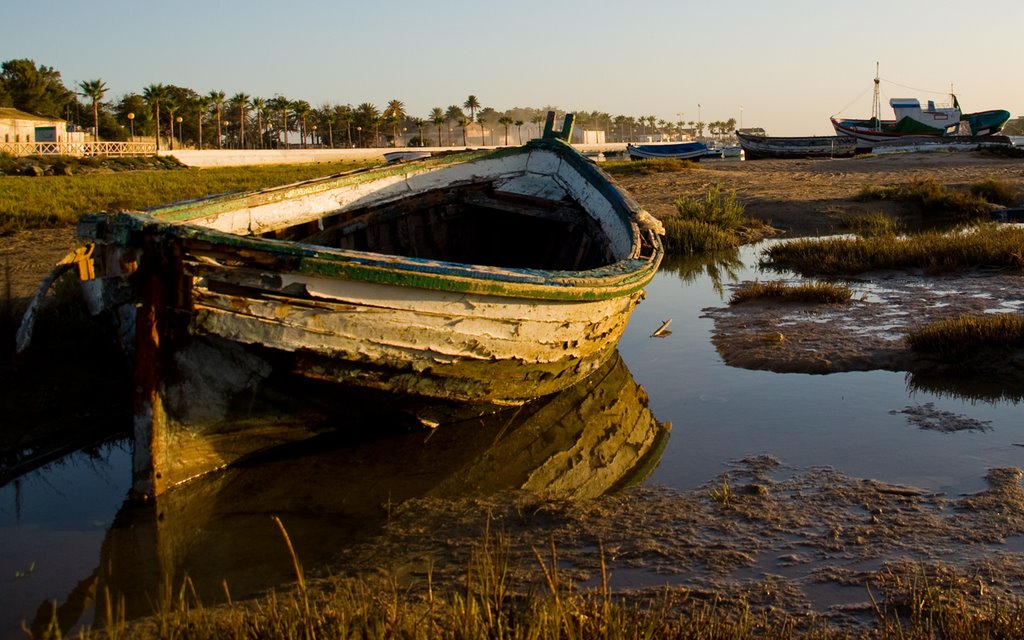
(895, 84)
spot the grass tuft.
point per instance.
(995, 192)
(722, 210)
(959, 340)
(815, 292)
(870, 224)
(694, 236)
(702, 225)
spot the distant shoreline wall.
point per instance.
(242, 157)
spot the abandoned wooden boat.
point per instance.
(490, 277)
(763, 147)
(675, 150)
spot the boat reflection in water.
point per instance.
(335, 490)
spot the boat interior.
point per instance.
(470, 224)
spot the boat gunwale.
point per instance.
(623, 277)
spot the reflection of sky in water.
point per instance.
(843, 420)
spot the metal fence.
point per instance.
(79, 148)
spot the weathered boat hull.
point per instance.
(776, 147)
(487, 279)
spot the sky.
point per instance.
(785, 66)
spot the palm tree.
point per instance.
(536, 120)
(505, 120)
(395, 113)
(281, 104)
(325, 119)
(301, 109)
(481, 118)
(343, 114)
(240, 101)
(438, 118)
(473, 104)
(171, 107)
(486, 114)
(418, 123)
(519, 130)
(217, 98)
(95, 90)
(259, 105)
(367, 116)
(152, 95)
(202, 105)
(453, 114)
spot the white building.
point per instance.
(19, 126)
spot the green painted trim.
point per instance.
(623, 278)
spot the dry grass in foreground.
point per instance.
(918, 605)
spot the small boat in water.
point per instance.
(487, 278)
(675, 150)
(758, 147)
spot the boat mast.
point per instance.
(876, 105)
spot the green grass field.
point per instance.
(54, 201)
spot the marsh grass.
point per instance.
(960, 340)
(551, 606)
(934, 199)
(870, 224)
(53, 201)
(722, 494)
(686, 237)
(647, 167)
(920, 605)
(995, 192)
(713, 223)
(813, 292)
(982, 246)
(724, 210)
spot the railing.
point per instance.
(79, 148)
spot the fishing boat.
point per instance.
(487, 279)
(675, 150)
(758, 147)
(911, 119)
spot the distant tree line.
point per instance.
(174, 115)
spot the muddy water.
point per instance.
(668, 413)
